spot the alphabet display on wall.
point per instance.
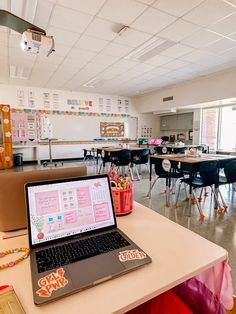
(112, 129)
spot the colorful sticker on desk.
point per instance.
(52, 282)
(131, 255)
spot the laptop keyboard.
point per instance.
(72, 252)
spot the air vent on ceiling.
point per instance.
(168, 98)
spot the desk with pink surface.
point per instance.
(177, 255)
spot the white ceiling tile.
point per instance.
(176, 51)
(3, 39)
(102, 29)
(114, 70)
(201, 38)
(158, 60)
(225, 26)
(14, 40)
(143, 67)
(94, 68)
(159, 71)
(209, 12)
(45, 67)
(233, 36)
(3, 51)
(178, 30)
(50, 59)
(153, 21)
(132, 38)
(231, 2)
(78, 54)
(146, 1)
(221, 45)
(62, 36)
(122, 11)
(76, 64)
(196, 55)
(61, 50)
(91, 43)
(116, 50)
(69, 19)
(4, 29)
(176, 64)
(104, 59)
(174, 8)
(126, 64)
(86, 6)
(230, 54)
(43, 13)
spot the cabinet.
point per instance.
(177, 122)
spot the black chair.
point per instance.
(208, 176)
(121, 158)
(163, 174)
(106, 158)
(139, 157)
(230, 178)
(87, 155)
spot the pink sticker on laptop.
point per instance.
(131, 255)
(51, 282)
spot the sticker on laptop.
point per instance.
(131, 255)
(52, 282)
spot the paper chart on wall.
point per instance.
(31, 99)
(55, 101)
(46, 100)
(20, 98)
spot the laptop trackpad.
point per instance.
(93, 269)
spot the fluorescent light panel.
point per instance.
(149, 49)
(19, 72)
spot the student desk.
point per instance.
(177, 255)
(189, 163)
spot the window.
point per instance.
(210, 118)
(227, 134)
(219, 127)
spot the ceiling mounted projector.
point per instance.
(34, 38)
(37, 43)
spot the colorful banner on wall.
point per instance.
(112, 129)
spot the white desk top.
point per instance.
(177, 254)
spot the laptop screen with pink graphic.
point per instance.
(64, 208)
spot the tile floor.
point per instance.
(218, 228)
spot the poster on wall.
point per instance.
(119, 105)
(46, 100)
(31, 99)
(55, 101)
(126, 106)
(100, 104)
(20, 98)
(112, 129)
(108, 105)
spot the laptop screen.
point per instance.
(66, 208)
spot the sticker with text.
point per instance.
(52, 282)
(130, 255)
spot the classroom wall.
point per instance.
(80, 113)
(210, 88)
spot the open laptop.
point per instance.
(73, 237)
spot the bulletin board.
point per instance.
(6, 157)
(112, 129)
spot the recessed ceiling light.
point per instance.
(149, 49)
(19, 72)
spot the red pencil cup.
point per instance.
(123, 201)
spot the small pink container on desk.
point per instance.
(123, 200)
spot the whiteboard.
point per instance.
(82, 128)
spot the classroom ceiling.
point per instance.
(167, 42)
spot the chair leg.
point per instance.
(100, 168)
(131, 173)
(201, 215)
(175, 205)
(148, 168)
(200, 196)
(186, 193)
(136, 169)
(222, 199)
(220, 210)
(151, 187)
